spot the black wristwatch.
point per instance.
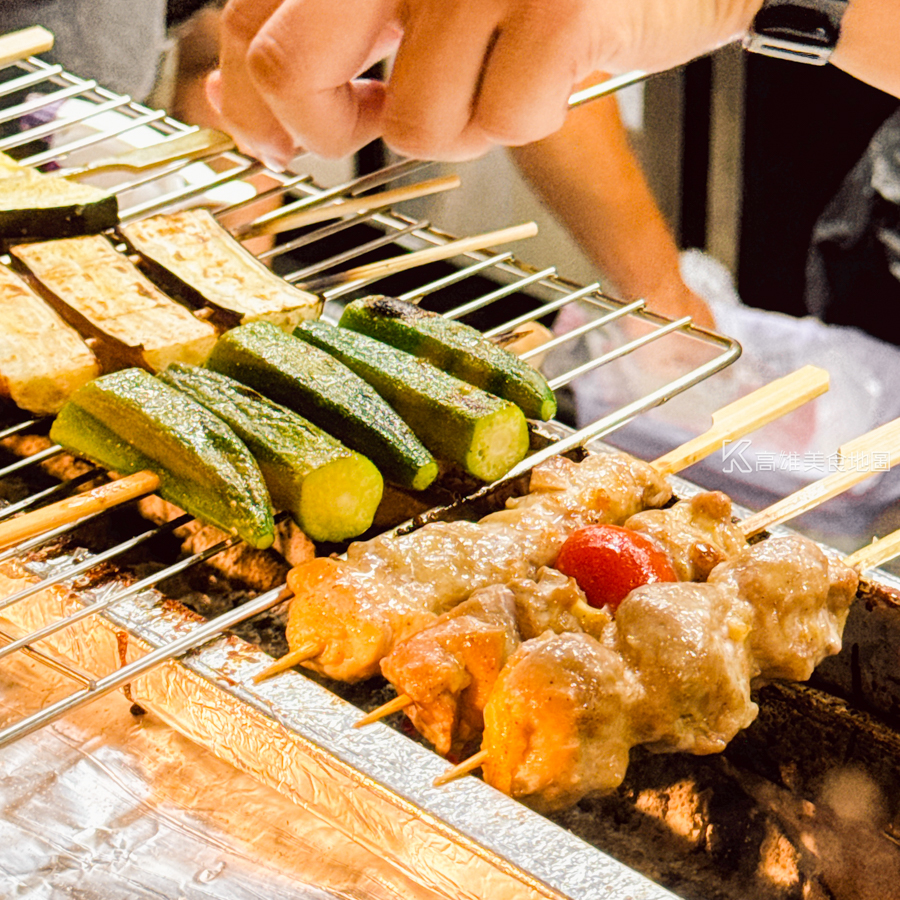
(799, 30)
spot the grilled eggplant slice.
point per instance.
(35, 205)
(456, 421)
(130, 421)
(192, 257)
(42, 359)
(104, 296)
(323, 390)
(456, 348)
(331, 492)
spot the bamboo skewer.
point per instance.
(289, 660)
(194, 145)
(406, 261)
(285, 218)
(24, 43)
(885, 440)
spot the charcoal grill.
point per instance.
(104, 627)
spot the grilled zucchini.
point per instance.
(35, 205)
(331, 492)
(42, 359)
(193, 258)
(103, 295)
(318, 387)
(454, 347)
(456, 421)
(129, 421)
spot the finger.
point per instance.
(303, 62)
(530, 73)
(245, 114)
(435, 78)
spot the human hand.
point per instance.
(467, 75)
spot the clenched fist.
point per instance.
(468, 74)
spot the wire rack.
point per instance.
(54, 119)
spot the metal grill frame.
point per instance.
(166, 639)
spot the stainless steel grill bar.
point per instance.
(354, 253)
(45, 495)
(32, 106)
(251, 167)
(32, 79)
(91, 563)
(456, 277)
(52, 662)
(41, 131)
(619, 352)
(18, 428)
(98, 688)
(32, 460)
(65, 149)
(47, 536)
(499, 294)
(601, 322)
(543, 310)
(105, 603)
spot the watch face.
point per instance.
(800, 30)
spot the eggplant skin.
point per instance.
(33, 205)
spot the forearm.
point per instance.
(588, 176)
(869, 48)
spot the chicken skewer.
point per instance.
(696, 534)
(349, 613)
(673, 671)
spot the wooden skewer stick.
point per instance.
(194, 145)
(747, 414)
(464, 768)
(401, 701)
(422, 257)
(876, 553)
(27, 42)
(884, 440)
(74, 508)
(284, 219)
(289, 660)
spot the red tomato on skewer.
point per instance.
(609, 562)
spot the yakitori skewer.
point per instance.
(884, 440)
(863, 559)
(733, 421)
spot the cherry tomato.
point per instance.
(609, 562)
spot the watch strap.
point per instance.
(798, 30)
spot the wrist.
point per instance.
(740, 16)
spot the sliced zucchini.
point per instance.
(130, 420)
(455, 348)
(195, 259)
(331, 492)
(318, 387)
(456, 421)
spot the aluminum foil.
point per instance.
(373, 786)
(361, 801)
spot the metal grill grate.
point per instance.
(83, 121)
